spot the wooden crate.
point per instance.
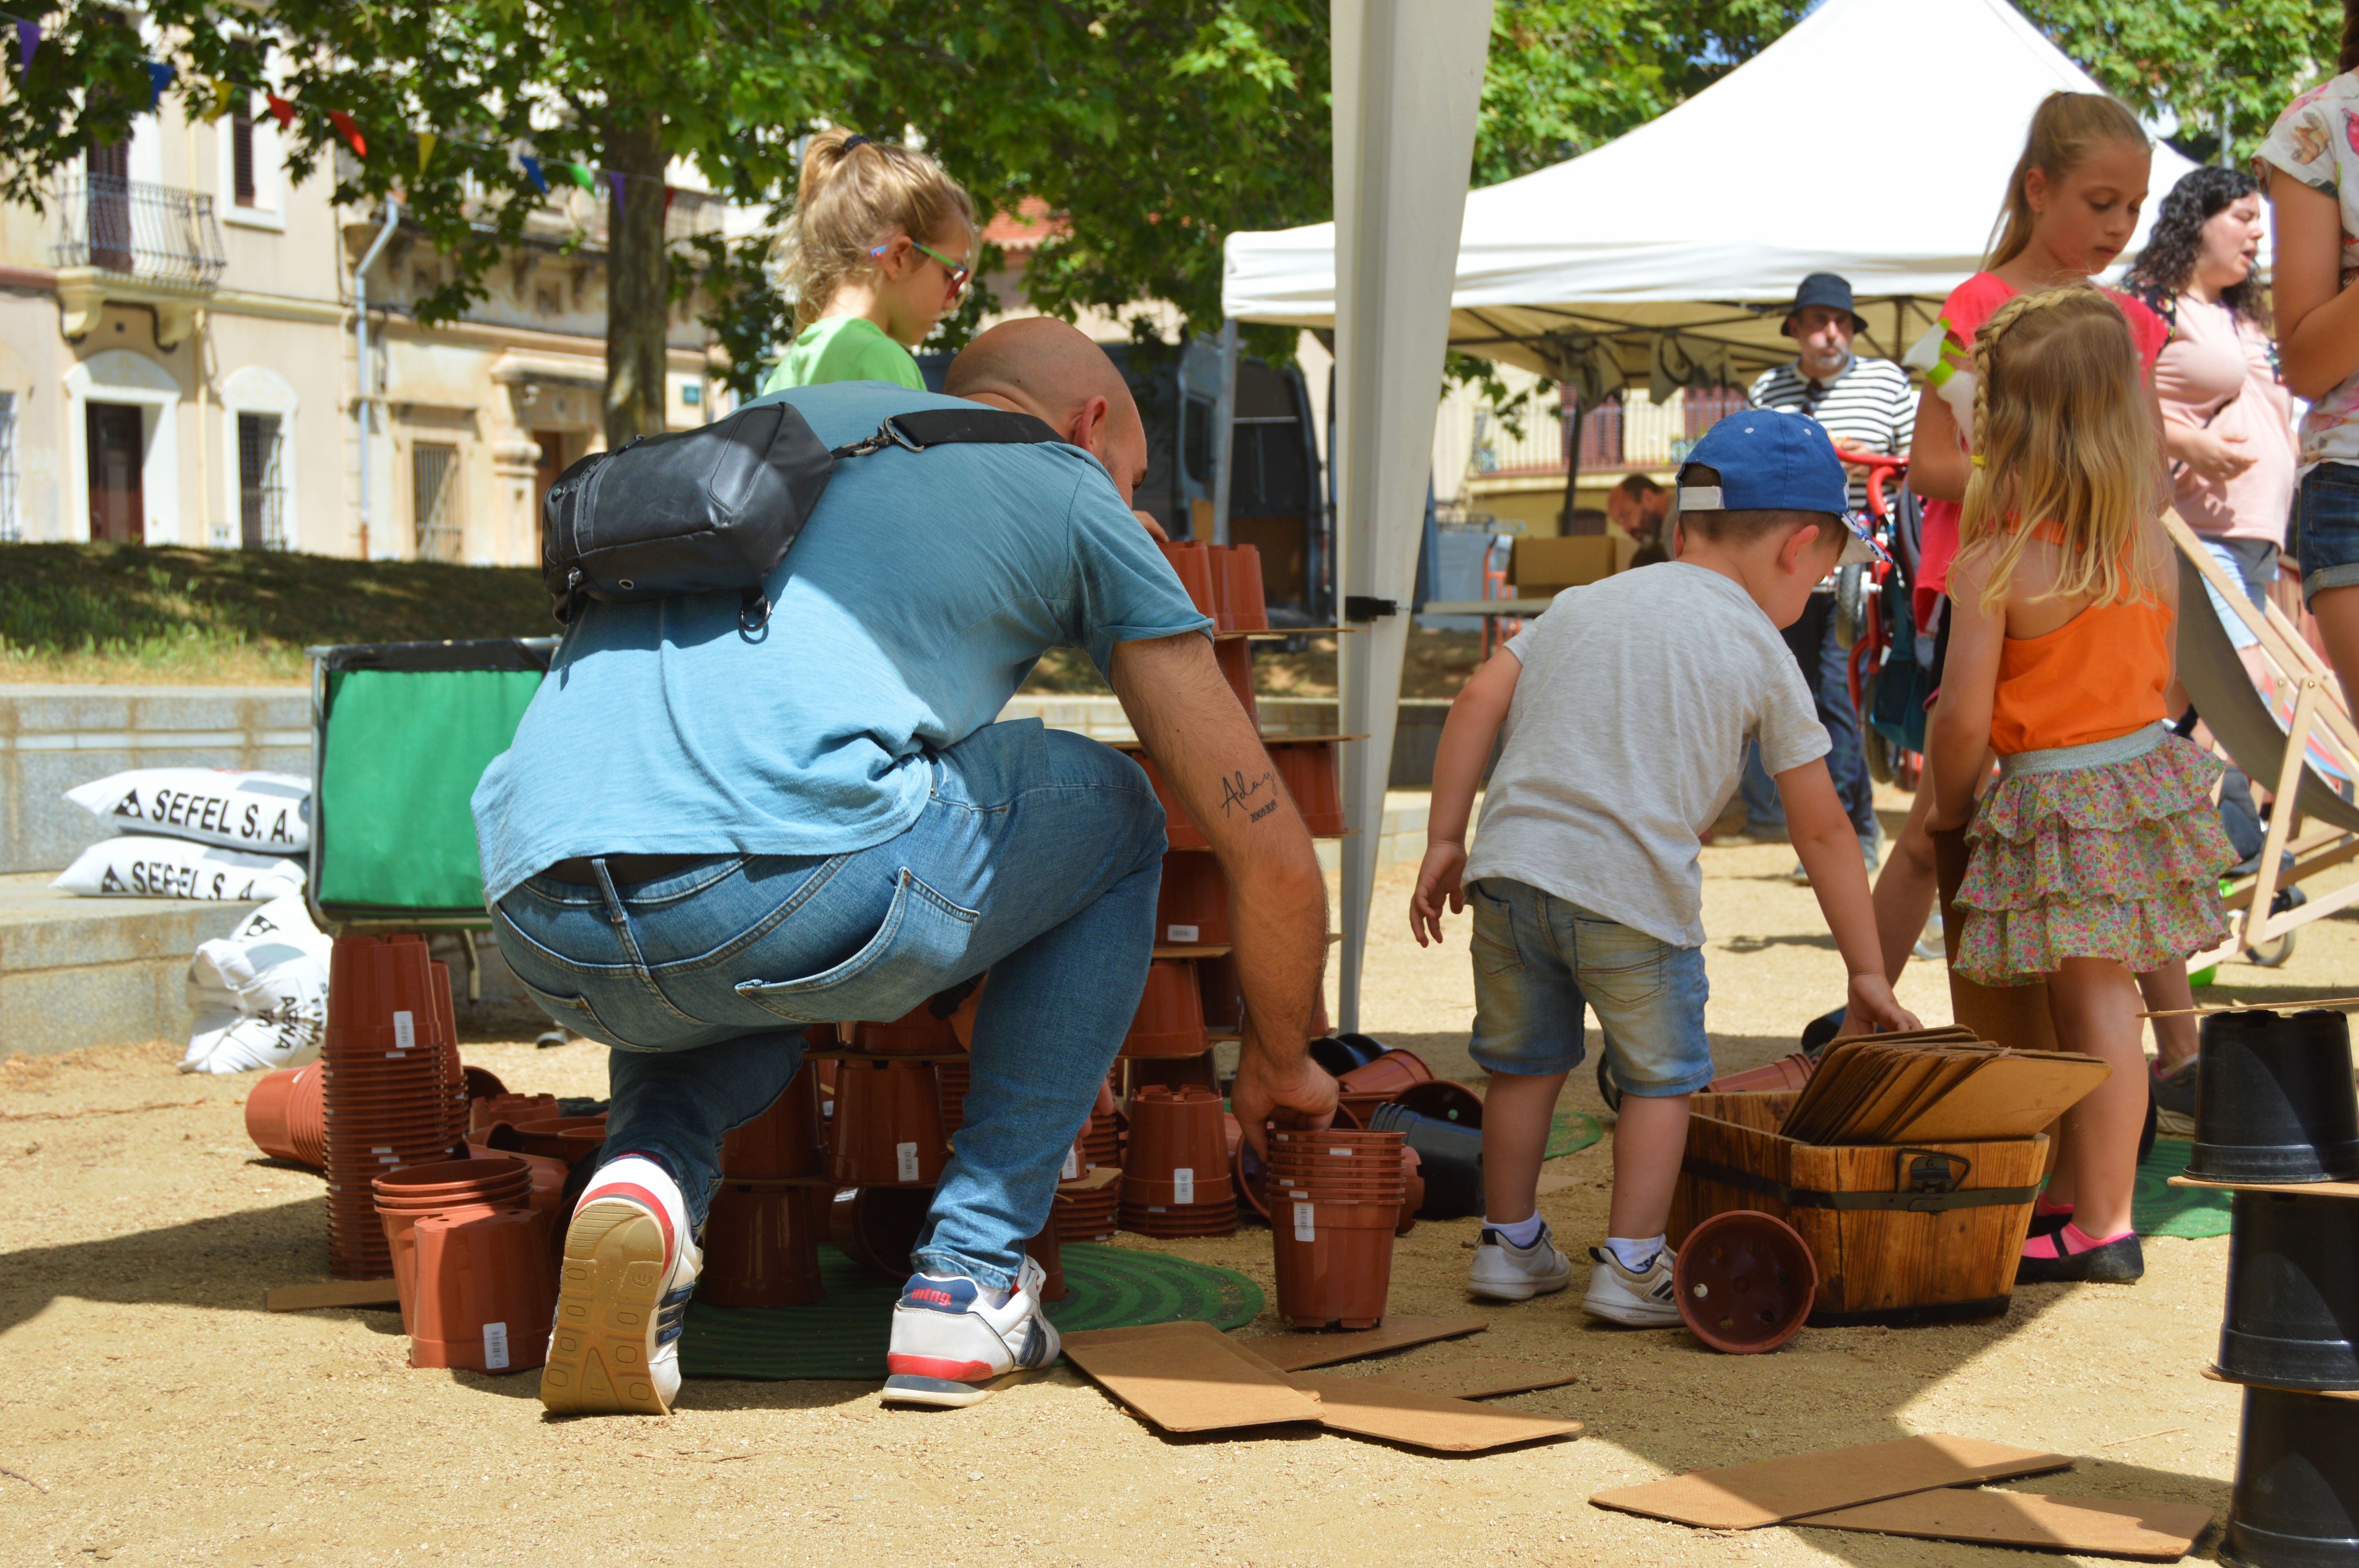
(1886, 1254)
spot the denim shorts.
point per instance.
(2326, 528)
(2252, 563)
(1538, 960)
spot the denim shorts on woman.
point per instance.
(1538, 959)
(2326, 528)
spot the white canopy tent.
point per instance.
(1874, 139)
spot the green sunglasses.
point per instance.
(959, 275)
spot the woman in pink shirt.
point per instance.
(2227, 419)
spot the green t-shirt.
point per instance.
(845, 348)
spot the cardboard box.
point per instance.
(1541, 566)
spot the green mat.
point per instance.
(2159, 1209)
(1570, 1132)
(845, 1336)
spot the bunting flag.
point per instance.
(668, 194)
(532, 172)
(28, 38)
(582, 177)
(350, 132)
(160, 75)
(427, 142)
(614, 181)
(222, 92)
(280, 110)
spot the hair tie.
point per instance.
(1976, 460)
(857, 140)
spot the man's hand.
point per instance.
(1870, 1001)
(1147, 520)
(1849, 444)
(1439, 879)
(1294, 1091)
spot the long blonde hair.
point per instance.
(854, 195)
(2064, 129)
(2062, 435)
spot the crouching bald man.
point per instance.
(705, 840)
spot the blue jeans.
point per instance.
(1538, 959)
(1826, 667)
(1037, 857)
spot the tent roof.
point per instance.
(1873, 139)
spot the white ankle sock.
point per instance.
(1636, 1255)
(639, 1171)
(1521, 1233)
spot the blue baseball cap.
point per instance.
(1773, 462)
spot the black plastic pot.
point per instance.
(1443, 1102)
(2297, 1498)
(1449, 1158)
(2293, 1292)
(2274, 1099)
(1339, 1054)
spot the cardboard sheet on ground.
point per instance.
(2162, 1531)
(1294, 1352)
(1372, 1406)
(1748, 1497)
(1475, 1377)
(1187, 1376)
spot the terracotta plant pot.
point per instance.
(1746, 1281)
(888, 1126)
(387, 1097)
(483, 1115)
(1170, 1017)
(1235, 655)
(1191, 909)
(1308, 768)
(547, 1176)
(1086, 1216)
(1786, 1073)
(485, 1293)
(2274, 1099)
(1179, 830)
(1194, 562)
(2293, 1292)
(307, 1116)
(1223, 996)
(783, 1141)
(462, 1187)
(1050, 1253)
(566, 1138)
(2297, 1496)
(878, 1227)
(953, 1079)
(917, 1032)
(1442, 1100)
(1237, 589)
(1169, 1072)
(1333, 1262)
(269, 1112)
(761, 1247)
(1387, 1076)
(1177, 1181)
(483, 1083)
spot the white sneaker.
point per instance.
(1644, 1299)
(1799, 876)
(1503, 1271)
(948, 1338)
(1932, 944)
(620, 1299)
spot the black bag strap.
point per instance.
(976, 426)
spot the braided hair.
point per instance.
(2063, 435)
(2167, 265)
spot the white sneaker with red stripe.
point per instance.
(630, 1268)
(948, 1339)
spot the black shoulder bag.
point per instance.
(719, 506)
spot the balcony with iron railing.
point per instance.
(1629, 431)
(156, 233)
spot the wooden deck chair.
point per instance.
(2293, 746)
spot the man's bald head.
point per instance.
(1043, 367)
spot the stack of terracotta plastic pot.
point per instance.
(1252, 1180)
(547, 1177)
(888, 1128)
(1087, 1213)
(1171, 1018)
(388, 1088)
(1238, 604)
(286, 1114)
(463, 1189)
(566, 1138)
(1379, 1082)
(762, 1232)
(485, 1291)
(954, 1078)
(1179, 830)
(515, 1110)
(1194, 563)
(1334, 1202)
(1235, 655)
(1308, 768)
(1191, 908)
(1176, 1181)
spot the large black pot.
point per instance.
(1449, 1158)
(2274, 1099)
(1339, 1054)
(2297, 1498)
(2293, 1292)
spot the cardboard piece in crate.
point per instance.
(1542, 565)
(1911, 1089)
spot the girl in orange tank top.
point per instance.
(2096, 857)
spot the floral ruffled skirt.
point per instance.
(2111, 851)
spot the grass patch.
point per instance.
(126, 612)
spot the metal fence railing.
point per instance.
(156, 231)
(1628, 430)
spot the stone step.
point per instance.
(78, 971)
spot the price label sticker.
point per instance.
(405, 1031)
(1305, 1226)
(1183, 1185)
(1181, 932)
(495, 1347)
(1072, 1171)
(905, 1156)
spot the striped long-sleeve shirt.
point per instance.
(1871, 403)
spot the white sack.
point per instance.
(260, 994)
(256, 812)
(137, 867)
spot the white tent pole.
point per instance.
(1408, 81)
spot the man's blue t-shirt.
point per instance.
(914, 604)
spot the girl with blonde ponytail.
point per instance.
(2095, 859)
(881, 244)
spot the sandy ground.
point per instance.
(154, 1412)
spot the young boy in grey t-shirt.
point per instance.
(1627, 706)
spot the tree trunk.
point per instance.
(639, 280)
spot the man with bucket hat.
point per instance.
(1866, 405)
